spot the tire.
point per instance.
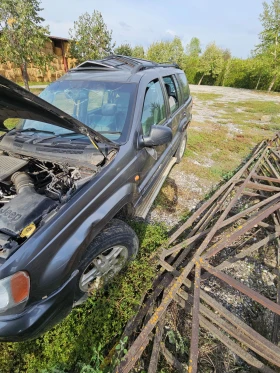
(109, 252)
(181, 148)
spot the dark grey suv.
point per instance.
(97, 142)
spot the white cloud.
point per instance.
(125, 25)
(170, 32)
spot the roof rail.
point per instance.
(116, 62)
(168, 64)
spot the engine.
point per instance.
(30, 190)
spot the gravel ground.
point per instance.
(190, 189)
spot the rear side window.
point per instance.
(185, 86)
(172, 94)
(154, 110)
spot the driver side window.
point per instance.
(154, 110)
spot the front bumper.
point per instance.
(39, 317)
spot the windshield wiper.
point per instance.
(34, 130)
(111, 132)
(70, 134)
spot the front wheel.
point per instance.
(106, 256)
(181, 148)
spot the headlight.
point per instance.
(14, 290)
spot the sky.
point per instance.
(231, 24)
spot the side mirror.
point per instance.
(159, 135)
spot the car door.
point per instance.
(173, 100)
(186, 100)
(153, 113)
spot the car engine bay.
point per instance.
(32, 191)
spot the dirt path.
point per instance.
(227, 123)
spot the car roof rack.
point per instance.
(120, 62)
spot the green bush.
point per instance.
(96, 324)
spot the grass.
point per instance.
(206, 96)
(213, 144)
(96, 324)
(33, 83)
(218, 146)
(250, 113)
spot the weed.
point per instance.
(175, 338)
(98, 322)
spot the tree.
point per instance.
(166, 51)
(91, 38)
(176, 50)
(269, 47)
(23, 38)
(260, 71)
(124, 49)
(138, 52)
(191, 59)
(158, 51)
(194, 48)
(211, 62)
(226, 67)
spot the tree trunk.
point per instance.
(199, 83)
(257, 86)
(272, 83)
(25, 75)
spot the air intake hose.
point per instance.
(22, 181)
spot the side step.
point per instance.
(142, 210)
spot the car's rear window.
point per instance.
(105, 107)
(185, 86)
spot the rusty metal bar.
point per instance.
(241, 230)
(195, 322)
(156, 346)
(266, 188)
(248, 251)
(226, 222)
(267, 178)
(235, 327)
(242, 338)
(229, 207)
(272, 168)
(208, 231)
(172, 360)
(135, 350)
(276, 319)
(192, 219)
(240, 325)
(242, 288)
(236, 348)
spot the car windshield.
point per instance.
(102, 106)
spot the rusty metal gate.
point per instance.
(241, 218)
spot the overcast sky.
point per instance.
(232, 24)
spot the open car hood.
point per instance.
(17, 102)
